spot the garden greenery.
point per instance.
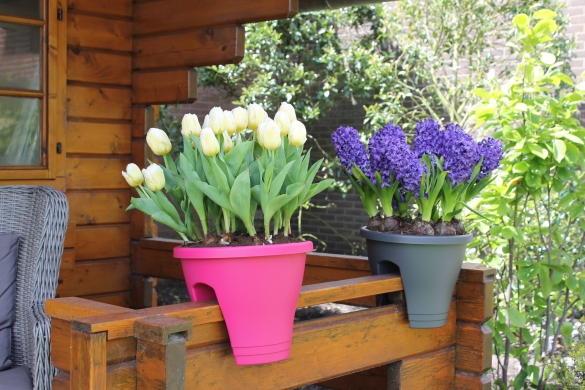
(534, 227)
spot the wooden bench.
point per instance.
(186, 346)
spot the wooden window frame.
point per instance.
(54, 82)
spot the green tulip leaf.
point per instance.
(164, 218)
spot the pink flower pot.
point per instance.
(257, 288)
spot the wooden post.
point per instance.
(88, 354)
(161, 352)
(475, 305)
(142, 292)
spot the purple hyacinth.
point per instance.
(351, 150)
(427, 138)
(492, 151)
(460, 152)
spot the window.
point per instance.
(28, 93)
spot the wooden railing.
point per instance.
(186, 346)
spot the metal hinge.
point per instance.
(59, 148)
(60, 13)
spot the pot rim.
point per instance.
(242, 251)
(412, 239)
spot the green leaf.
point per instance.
(548, 58)
(220, 177)
(240, 197)
(544, 14)
(538, 151)
(147, 206)
(544, 27)
(545, 282)
(520, 167)
(215, 195)
(167, 220)
(318, 188)
(521, 21)
(236, 156)
(572, 283)
(167, 207)
(559, 268)
(567, 328)
(276, 204)
(528, 273)
(572, 153)
(519, 381)
(582, 289)
(559, 149)
(278, 180)
(516, 318)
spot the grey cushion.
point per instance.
(15, 378)
(8, 261)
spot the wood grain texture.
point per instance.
(121, 376)
(61, 344)
(474, 348)
(142, 120)
(432, 371)
(70, 235)
(161, 367)
(208, 46)
(323, 349)
(121, 299)
(142, 292)
(102, 242)
(98, 138)
(468, 381)
(338, 261)
(99, 102)
(62, 381)
(177, 15)
(475, 301)
(373, 379)
(68, 259)
(99, 207)
(156, 263)
(88, 66)
(73, 307)
(164, 87)
(95, 277)
(85, 173)
(141, 225)
(119, 8)
(88, 351)
(96, 32)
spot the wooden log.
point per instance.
(95, 277)
(96, 32)
(156, 263)
(68, 259)
(142, 292)
(72, 307)
(468, 381)
(99, 102)
(99, 207)
(70, 235)
(322, 349)
(160, 353)
(475, 293)
(97, 67)
(474, 348)
(373, 379)
(88, 352)
(204, 312)
(91, 240)
(320, 5)
(121, 376)
(157, 17)
(435, 370)
(98, 138)
(142, 120)
(338, 261)
(164, 87)
(119, 8)
(208, 46)
(121, 299)
(85, 173)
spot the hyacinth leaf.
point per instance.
(359, 174)
(355, 185)
(279, 180)
(216, 195)
(236, 156)
(164, 218)
(240, 199)
(477, 212)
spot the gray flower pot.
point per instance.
(429, 267)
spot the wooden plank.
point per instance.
(73, 307)
(70, 235)
(68, 259)
(84, 65)
(96, 32)
(208, 311)
(177, 15)
(120, 8)
(476, 273)
(326, 348)
(156, 263)
(58, 183)
(121, 299)
(432, 371)
(61, 382)
(84, 173)
(373, 379)
(468, 381)
(475, 301)
(164, 87)
(121, 376)
(120, 350)
(99, 102)
(142, 292)
(98, 138)
(96, 277)
(338, 261)
(142, 120)
(474, 348)
(99, 207)
(61, 344)
(208, 46)
(89, 355)
(316, 274)
(102, 242)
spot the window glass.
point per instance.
(20, 56)
(23, 8)
(20, 131)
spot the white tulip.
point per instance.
(133, 175)
(158, 141)
(229, 123)
(298, 134)
(154, 177)
(283, 121)
(271, 135)
(216, 120)
(260, 132)
(190, 125)
(205, 122)
(228, 144)
(241, 117)
(209, 143)
(256, 115)
(289, 110)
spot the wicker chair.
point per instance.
(39, 216)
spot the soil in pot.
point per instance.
(229, 239)
(415, 227)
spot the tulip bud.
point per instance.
(256, 115)
(190, 125)
(229, 123)
(158, 141)
(133, 175)
(289, 110)
(154, 177)
(298, 134)
(283, 121)
(205, 122)
(271, 135)
(241, 117)
(228, 144)
(209, 144)
(260, 132)
(216, 120)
